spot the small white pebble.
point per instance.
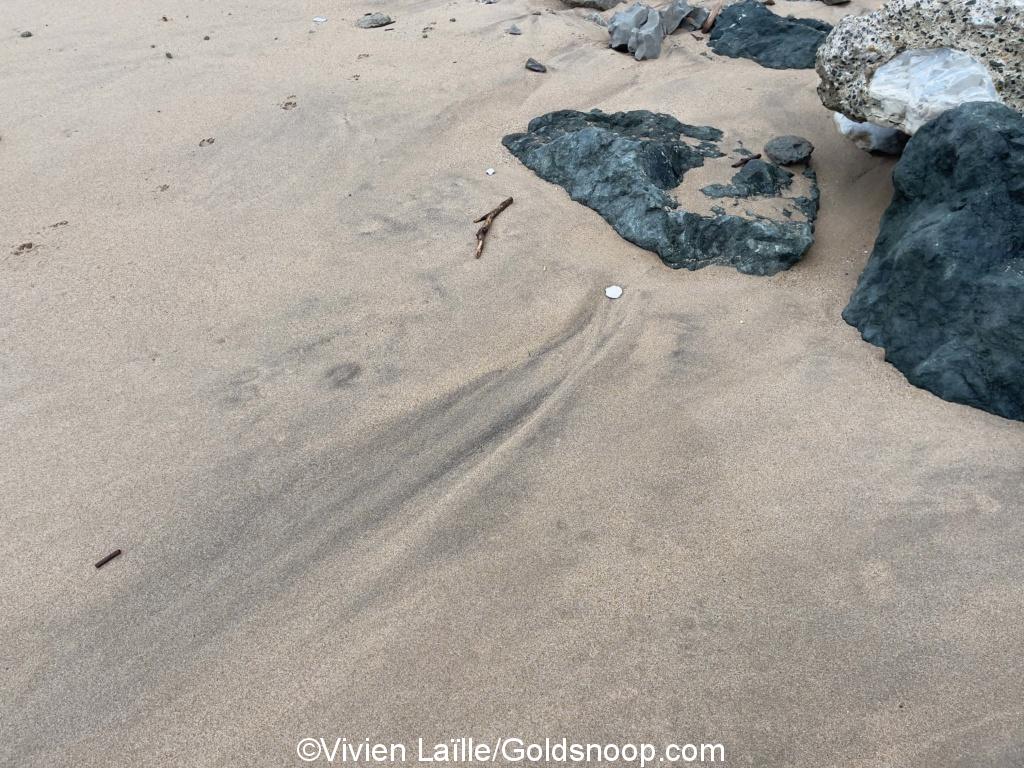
(613, 291)
(490, 171)
(319, 19)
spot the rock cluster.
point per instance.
(640, 29)
(911, 60)
(623, 166)
(943, 291)
(749, 30)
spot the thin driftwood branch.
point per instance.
(710, 21)
(744, 160)
(488, 219)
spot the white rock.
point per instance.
(896, 66)
(870, 137)
(919, 85)
(613, 291)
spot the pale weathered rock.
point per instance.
(991, 32)
(917, 86)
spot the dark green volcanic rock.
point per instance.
(748, 30)
(943, 291)
(623, 165)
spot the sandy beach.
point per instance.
(368, 486)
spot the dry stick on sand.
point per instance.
(710, 21)
(488, 219)
(744, 160)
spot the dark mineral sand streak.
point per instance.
(407, 482)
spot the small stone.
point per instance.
(597, 18)
(374, 20)
(490, 171)
(787, 150)
(26, 33)
(206, 37)
(169, 55)
(206, 142)
(535, 66)
(613, 291)
(514, 30)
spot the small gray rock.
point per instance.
(786, 150)
(374, 20)
(597, 18)
(514, 30)
(623, 23)
(645, 41)
(673, 14)
(535, 66)
(26, 33)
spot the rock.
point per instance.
(787, 150)
(535, 66)
(645, 40)
(680, 14)
(26, 33)
(640, 28)
(943, 291)
(622, 165)
(373, 20)
(915, 87)
(755, 179)
(986, 33)
(870, 137)
(621, 27)
(749, 30)
(597, 18)
(514, 30)
(597, 5)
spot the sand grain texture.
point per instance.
(368, 486)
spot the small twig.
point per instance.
(710, 21)
(108, 558)
(744, 160)
(488, 219)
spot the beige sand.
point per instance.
(369, 487)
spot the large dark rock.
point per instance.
(623, 165)
(943, 291)
(748, 30)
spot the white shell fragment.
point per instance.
(490, 171)
(319, 19)
(613, 291)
